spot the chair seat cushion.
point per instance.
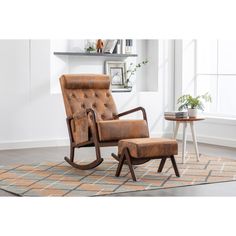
(114, 130)
(149, 147)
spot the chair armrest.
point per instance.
(71, 120)
(90, 110)
(94, 124)
(71, 125)
(133, 110)
(79, 115)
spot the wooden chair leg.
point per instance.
(128, 159)
(163, 161)
(175, 166)
(120, 165)
(72, 153)
(98, 152)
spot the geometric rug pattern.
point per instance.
(60, 179)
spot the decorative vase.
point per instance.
(128, 84)
(192, 112)
(128, 46)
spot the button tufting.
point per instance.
(83, 106)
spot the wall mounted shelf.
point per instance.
(102, 57)
(120, 90)
(84, 54)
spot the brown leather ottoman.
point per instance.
(140, 150)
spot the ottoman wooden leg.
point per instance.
(128, 159)
(120, 165)
(163, 161)
(175, 166)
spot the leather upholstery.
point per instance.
(80, 127)
(84, 91)
(149, 147)
(114, 130)
(81, 92)
(86, 81)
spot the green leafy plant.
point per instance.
(90, 47)
(133, 69)
(187, 101)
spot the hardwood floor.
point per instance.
(37, 155)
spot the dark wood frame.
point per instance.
(125, 156)
(94, 140)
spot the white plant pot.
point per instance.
(192, 112)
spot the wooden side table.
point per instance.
(185, 121)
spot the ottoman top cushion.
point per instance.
(149, 147)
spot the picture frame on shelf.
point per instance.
(110, 45)
(116, 70)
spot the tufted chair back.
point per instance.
(84, 91)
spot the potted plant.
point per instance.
(192, 104)
(90, 46)
(132, 70)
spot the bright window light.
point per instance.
(216, 74)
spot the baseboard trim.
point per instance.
(65, 142)
(33, 144)
(211, 140)
(51, 142)
(161, 135)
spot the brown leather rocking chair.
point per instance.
(92, 117)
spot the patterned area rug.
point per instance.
(60, 179)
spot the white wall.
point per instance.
(162, 100)
(152, 69)
(218, 131)
(58, 65)
(14, 89)
(33, 114)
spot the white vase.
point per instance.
(192, 112)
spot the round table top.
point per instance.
(184, 119)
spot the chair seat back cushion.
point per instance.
(84, 91)
(114, 130)
(100, 100)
